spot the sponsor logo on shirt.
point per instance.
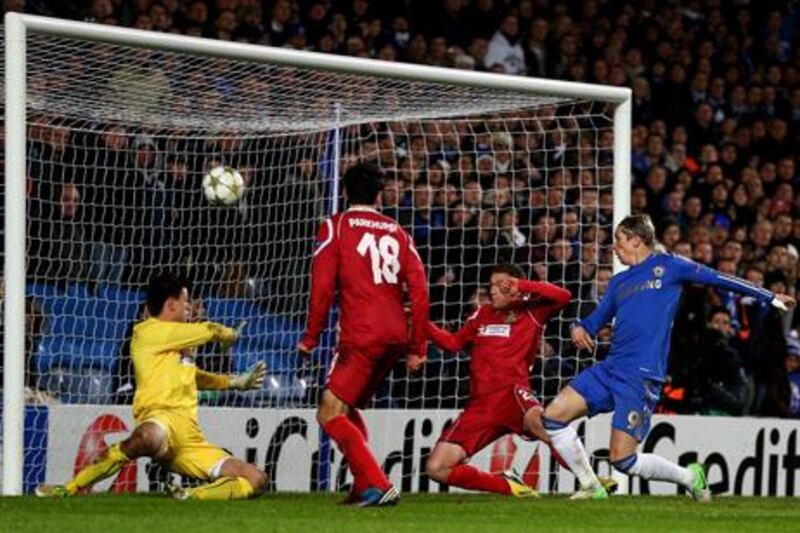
(650, 284)
(372, 224)
(495, 330)
(526, 395)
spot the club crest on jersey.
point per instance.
(658, 271)
(511, 317)
(495, 330)
(634, 419)
(526, 395)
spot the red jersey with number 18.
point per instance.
(370, 261)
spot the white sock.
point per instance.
(570, 448)
(652, 466)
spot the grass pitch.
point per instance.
(417, 513)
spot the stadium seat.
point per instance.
(78, 385)
(43, 291)
(85, 329)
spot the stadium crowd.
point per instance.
(716, 126)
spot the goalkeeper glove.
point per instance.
(252, 379)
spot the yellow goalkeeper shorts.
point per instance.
(185, 449)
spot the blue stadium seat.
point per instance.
(76, 353)
(82, 385)
(121, 295)
(266, 331)
(85, 329)
(43, 291)
(277, 361)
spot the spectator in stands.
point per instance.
(505, 54)
(153, 214)
(34, 327)
(110, 202)
(536, 52)
(717, 379)
(716, 120)
(792, 363)
(58, 238)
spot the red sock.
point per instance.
(358, 421)
(351, 443)
(469, 477)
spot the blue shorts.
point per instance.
(631, 398)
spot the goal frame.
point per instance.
(17, 28)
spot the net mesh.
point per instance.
(120, 138)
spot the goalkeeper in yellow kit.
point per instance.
(165, 403)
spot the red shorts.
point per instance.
(488, 418)
(357, 371)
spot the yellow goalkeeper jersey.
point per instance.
(165, 378)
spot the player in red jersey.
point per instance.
(368, 259)
(504, 337)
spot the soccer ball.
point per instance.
(223, 185)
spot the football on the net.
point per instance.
(223, 185)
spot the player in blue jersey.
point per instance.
(642, 301)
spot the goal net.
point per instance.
(118, 140)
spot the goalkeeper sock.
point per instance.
(566, 442)
(225, 488)
(351, 443)
(469, 477)
(106, 466)
(652, 466)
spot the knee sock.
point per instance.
(651, 466)
(570, 448)
(469, 477)
(106, 466)
(225, 488)
(351, 443)
(358, 421)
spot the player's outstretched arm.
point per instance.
(694, 272)
(450, 342)
(210, 381)
(581, 338)
(323, 287)
(584, 330)
(253, 378)
(180, 336)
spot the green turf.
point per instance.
(418, 513)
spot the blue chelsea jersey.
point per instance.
(643, 301)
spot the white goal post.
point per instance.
(20, 28)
